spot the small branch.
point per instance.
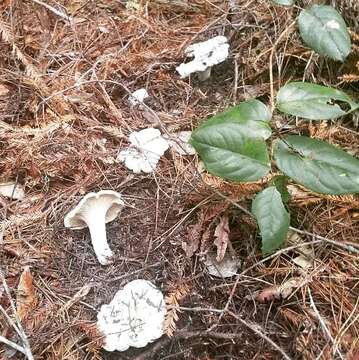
(256, 330)
(351, 247)
(185, 335)
(18, 327)
(12, 344)
(55, 11)
(271, 63)
(322, 323)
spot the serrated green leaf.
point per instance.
(323, 29)
(284, 2)
(319, 166)
(312, 101)
(272, 218)
(232, 144)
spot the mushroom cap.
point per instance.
(110, 201)
(206, 54)
(138, 96)
(147, 146)
(134, 317)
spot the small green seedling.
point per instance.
(233, 144)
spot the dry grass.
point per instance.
(64, 114)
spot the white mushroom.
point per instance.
(147, 146)
(12, 190)
(134, 317)
(94, 211)
(138, 96)
(179, 142)
(206, 54)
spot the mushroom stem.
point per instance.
(204, 75)
(97, 229)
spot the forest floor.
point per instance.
(66, 70)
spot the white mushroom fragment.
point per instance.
(179, 142)
(227, 267)
(138, 96)
(134, 317)
(206, 54)
(12, 190)
(94, 211)
(147, 146)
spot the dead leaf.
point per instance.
(306, 253)
(226, 268)
(26, 299)
(193, 239)
(205, 241)
(304, 262)
(222, 237)
(196, 235)
(278, 292)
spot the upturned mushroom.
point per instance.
(138, 97)
(206, 54)
(134, 317)
(94, 211)
(147, 146)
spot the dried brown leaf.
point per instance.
(26, 298)
(277, 292)
(206, 216)
(292, 316)
(205, 241)
(193, 239)
(222, 237)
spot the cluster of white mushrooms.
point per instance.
(136, 314)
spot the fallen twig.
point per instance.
(12, 344)
(185, 335)
(55, 11)
(17, 326)
(322, 324)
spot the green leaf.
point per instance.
(272, 218)
(248, 110)
(312, 101)
(284, 2)
(323, 29)
(280, 182)
(319, 166)
(232, 144)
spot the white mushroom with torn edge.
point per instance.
(179, 142)
(147, 146)
(134, 317)
(94, 211)
(206, 54)
(138, 96)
